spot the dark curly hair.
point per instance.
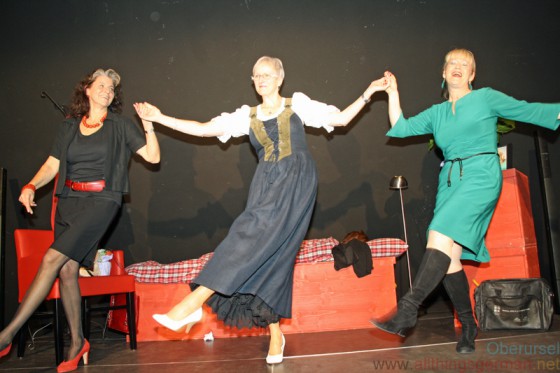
(80, 101)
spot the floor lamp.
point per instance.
(399, 183)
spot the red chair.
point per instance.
(31, 245)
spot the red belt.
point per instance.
(86, 186)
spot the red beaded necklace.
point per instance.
(95, 125)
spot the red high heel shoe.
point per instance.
(70, 365)
(6, 351)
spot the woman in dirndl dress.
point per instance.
(248, 281)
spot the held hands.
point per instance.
(380, 84)
(392, 82)
(26, 198)
(147, 111)
(376, 86)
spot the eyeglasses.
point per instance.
(263, 77)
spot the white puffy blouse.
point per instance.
(312, 113)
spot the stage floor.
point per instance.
(430, 348)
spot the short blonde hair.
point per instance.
(274, 62)
(462, 51)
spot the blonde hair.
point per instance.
(462, 51)
(465, 52)
(274, 62)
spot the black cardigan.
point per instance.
(126, 138)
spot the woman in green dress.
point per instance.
(470, 181)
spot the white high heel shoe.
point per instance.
(277, 359)
(177, 325)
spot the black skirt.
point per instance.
(80, 223)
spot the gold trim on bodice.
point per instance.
(284, 141)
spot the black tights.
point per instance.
(72, 303)
(53, 264)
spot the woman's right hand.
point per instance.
(46, 173)
(147, 111)
(392, 86)
(27, 199)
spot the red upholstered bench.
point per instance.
(323, 299)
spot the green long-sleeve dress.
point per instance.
(470, 180)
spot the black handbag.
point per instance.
(524, 303)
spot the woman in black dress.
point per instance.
(90, 155)
(248, 281)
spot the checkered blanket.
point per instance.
(311, 251)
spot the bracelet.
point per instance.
(366, 100)
(151, 130)
(29, 186)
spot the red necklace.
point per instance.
(95, 125)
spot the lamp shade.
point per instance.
(398, 182)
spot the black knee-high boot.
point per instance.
(457, 287)
(430, 273)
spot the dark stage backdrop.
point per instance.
(194, 58)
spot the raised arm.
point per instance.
(344, 117)
(151, 113)
(150, 152)
(394, 105)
